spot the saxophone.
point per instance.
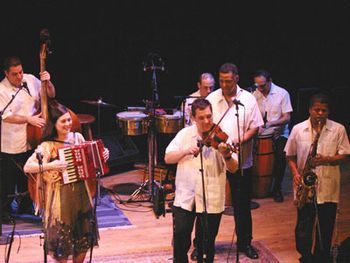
(306, 190)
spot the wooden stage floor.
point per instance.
(273, 224)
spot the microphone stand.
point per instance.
(42, 191)
(3, 240)
(94, 218)
(240, 154)
(151, 140)
(205, 212)
(18, 198)
(240, 168)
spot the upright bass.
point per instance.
(35, 134)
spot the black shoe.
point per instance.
(278, 196)
(249, 251)
(194, 254)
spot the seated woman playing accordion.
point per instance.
(68, 208)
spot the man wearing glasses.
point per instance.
(275, 107)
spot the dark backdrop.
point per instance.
(99, 47)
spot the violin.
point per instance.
(215, 136)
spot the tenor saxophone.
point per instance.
(306, 190)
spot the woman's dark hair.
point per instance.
(200, 104)
(55, 110)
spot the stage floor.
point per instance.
(273, 224)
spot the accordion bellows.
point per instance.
(85, 161)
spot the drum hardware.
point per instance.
(99, 103)
(136, 108)
(152, 63)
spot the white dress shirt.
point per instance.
(14, 136)
(188, 182)
(276, 103)
(333, 140)
(249, 118)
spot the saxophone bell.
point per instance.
(309, 179)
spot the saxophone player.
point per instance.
(332, 148)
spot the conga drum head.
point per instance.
(132, 122)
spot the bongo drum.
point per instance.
(169, 123)
(132, 122)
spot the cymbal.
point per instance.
(99, 102)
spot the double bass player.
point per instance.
(15, 148)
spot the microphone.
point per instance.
(39, 156)
(237, 102)
(25, 86)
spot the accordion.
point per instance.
(84, 161)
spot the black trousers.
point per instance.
(241, 195)
(13, 176)
(183, 225)
(306, 217)
(280, 163)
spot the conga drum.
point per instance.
(263, 164)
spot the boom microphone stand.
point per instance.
(3, 240)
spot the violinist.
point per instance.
(189, 205)
(14, 147)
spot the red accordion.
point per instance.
(84, 161)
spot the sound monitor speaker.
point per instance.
(122, 150)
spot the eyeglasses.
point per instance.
(261, 85)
